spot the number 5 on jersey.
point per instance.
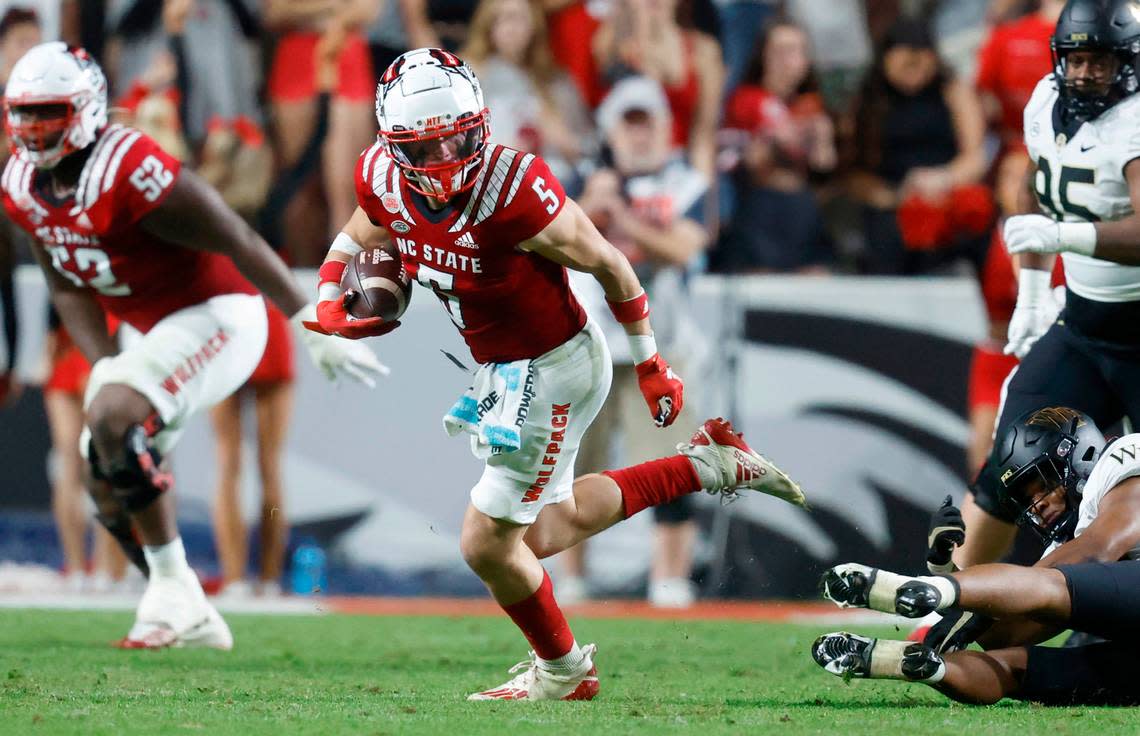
(442, 283)
(546, 195)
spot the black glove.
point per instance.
(947, 531)
(957, 629)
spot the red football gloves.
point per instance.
(333, 319)
(662, 389)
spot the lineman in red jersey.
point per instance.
(116, 224)
(490, 231)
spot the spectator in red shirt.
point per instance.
(1011, 63)
(776, 124)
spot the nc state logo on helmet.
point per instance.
(433, 122)
(55, 103)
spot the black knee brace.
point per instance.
(137, 479)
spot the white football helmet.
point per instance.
(433, 121)
(55, 103)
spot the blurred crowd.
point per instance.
(830, 135)
(729, 136)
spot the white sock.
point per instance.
(167, 560)
(887, 659)
(568, 662)
(706, 473)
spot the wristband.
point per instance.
(331, 272)
(328, 292)
(642, 347)
(343, 243)
(631, 310)
(1077, 237)
(1033, 286)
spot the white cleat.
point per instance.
(739, 466)
(174, 612)
(535, 683)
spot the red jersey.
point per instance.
(508, 304)
(94, 238)
(1011, 63)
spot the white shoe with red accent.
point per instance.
(174, 612)
(734, 466)
(535, 683)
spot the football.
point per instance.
(381, 286)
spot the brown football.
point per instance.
(380, 283)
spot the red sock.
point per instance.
(542, 622)
(655, 482)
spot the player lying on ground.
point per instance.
(1082, 495)
(1082, 134)
(116, 223)
(490, 231)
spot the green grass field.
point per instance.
(378, 675)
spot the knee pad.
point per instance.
(137, 479)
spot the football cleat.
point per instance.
(844, 654)
(174, 612)
(535, 683)
(852, 585)
(849, 655)
(848, 586)
(737, 466)
(916, 598)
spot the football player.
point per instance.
(1082, 131)
(1081, 494)
(490, 231)
(117, 223)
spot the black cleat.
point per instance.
(920, 662)
(915, 599)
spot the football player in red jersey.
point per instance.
(115, 223)
(490, 231)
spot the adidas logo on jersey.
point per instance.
(466, 241)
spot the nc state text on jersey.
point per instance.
(434, 256)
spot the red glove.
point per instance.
(333, 319)
(662, 389)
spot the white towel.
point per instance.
(494, 409)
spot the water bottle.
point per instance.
(309, 574)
